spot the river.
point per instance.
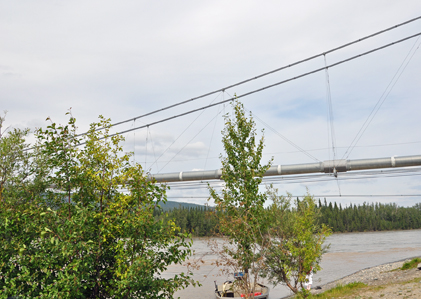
(348, 253)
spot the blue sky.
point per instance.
(123, 59)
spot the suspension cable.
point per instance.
(271, 85)
(265, 74)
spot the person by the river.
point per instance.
(309, 279)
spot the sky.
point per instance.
(127, 58)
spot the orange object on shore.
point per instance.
(255, 294)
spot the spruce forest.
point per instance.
(203, 221)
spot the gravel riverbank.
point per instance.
(386, 282)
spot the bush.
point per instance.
(83, 226)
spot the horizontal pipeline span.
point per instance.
(330, 166)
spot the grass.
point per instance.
(339, 290)
(408, 265)
(411, 264)
(353, 290)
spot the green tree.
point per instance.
(281, 243)
(241, 204)
(295, 243)
(92, 233)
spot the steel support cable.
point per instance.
(265, 74)
(153, 149)
(134, 142)
(410, 169)
(331, 123)
(326, 195)
(318, 179)
(299, 179)
(284, 138)
(381, 100)
(294, 181)
(254, 91)
(310, 177)
(364, 195)
(323, 178)
(340, 147)
(206, 186)
(156, 160)
(342, 179)
(310, 150)
(211, 139)
(189, 142)
(331, 128)
(327, 118)
(268, 86)
(146, 146)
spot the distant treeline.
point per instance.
(199, 221)
(370, 217)
(203, 221)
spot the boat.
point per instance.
(229, 289)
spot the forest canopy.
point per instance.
(202, 221)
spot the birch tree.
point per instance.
(241, 204)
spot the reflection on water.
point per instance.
(347, 254)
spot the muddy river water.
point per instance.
(348, 253)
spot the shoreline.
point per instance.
(388, 282)
(365, 273)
